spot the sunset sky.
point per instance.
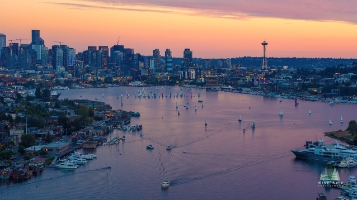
(210, 28)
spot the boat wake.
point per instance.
(229, 170)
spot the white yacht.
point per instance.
(165, 184)
(66, 165)
(169, 148)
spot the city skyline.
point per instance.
(209, 29)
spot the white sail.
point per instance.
(309, 111)
(103, 95)
(176, 105)
(330, 122)
(253, 124)
(341, 119)
(240, 118)
(281, 112)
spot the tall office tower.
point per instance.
(5, 57)
(65, 55)
(156, 55)
(52, 53)
(24, 57)
(44, 56)
(168, 60)
(59, 59)
(104, 56)
(71, 57)
(187, 58)
(2, 41)
(117, 58)
(38, 49)
(114, 49)
(128, 60)
(265, 63)
(15, 49)
(36, 38)
(92, 56)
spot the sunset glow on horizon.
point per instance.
(210, 29)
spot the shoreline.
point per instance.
(343, 136)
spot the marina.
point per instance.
(238, 156)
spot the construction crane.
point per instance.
(20, 39)
(59, 42)
(10, 42)
(118, 40)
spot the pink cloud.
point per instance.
(317, 10)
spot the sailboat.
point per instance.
(330, 123)
(205, 123)
(195, 109)
(253, 124)
(240, 118)
(281, 113)
(176, 105)
(309, 112)
(341, 121)
(103, 95)
(296, 101)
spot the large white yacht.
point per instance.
(66, 165)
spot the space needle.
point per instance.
(265, 64)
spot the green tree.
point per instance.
(21, 150)
(27, 157)
(38, 92)
(27, 140)
(46, 94)
(49, 138)
(6, 154)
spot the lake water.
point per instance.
(221, 161)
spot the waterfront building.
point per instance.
(56, 149)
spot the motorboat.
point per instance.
(66, 165)
(165, 184)
(79, 161)
(96, 98)
(281, 113)
(149, 146)
(123, 138)
(169, 147)
(200, 101)
(321, 196)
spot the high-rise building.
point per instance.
(187, 58)
(6, 57)
(59, 59)
(2, 41)
(24, 57)
(168, 60)
(92, 56)
(36, 38)
(104, 56)
(15, 49)
(71, 57)
(156, 55)
(117, 58)
(114, 49)
(38, 49)
(44, 56)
